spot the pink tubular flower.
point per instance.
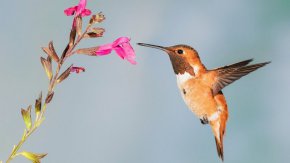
(121, 46)
(80, 9)
(77, 69)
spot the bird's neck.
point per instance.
(197, 66)
(181, 66)
(185, 70)
(193, 67)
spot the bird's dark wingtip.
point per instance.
(267, 62)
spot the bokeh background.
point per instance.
(119, 113)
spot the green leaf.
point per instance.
(26, 115)
(39, 121)
(34, 157)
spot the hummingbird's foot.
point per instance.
(204, 120)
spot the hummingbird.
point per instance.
(201, 89)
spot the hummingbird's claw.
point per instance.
(204, 120)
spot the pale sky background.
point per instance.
(119, 113)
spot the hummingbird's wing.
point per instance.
(239, 64)
(228, 74)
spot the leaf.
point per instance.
(95, 32)
(64, 75)
(47, 67)
(34, 157)
(50, 51)
(72, 36)
(26, 115)
(48, 58)
(39, 121)
(46, 50)
(98, 18)
(88, 51)
(53, 55)
(64, 53)
(49, 97)
(79, 24)
(38, 104)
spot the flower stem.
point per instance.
(52, 84)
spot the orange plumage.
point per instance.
(201, 89)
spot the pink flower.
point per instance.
(80, 9)
(121, 46)
(77, 69)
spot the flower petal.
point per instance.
(70, 11)
(81, 7)
(86, 12)
(122, 48)
(120, 51)
(129, 53)
(120, 41)
(77, 69)
(104, 49)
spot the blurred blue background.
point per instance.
(119, 113)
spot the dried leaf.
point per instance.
(79, 25)
(48, 58)
(88, 51)
(95, 32)
(50, 51)
(64, 53)
(64, 75)
(53, 55)
(38, 104)
(49, 97)
(98, 18)
(26, 115)
(46, 50)
(72, 36)
(47, 67)
(34, 157)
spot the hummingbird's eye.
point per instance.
(179, 51)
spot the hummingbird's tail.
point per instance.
(219, 125)
(218, 131)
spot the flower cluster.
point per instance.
(121, 46)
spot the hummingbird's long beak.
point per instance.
(155, 46)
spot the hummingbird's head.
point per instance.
(182, 57)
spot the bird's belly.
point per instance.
(198, 98)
